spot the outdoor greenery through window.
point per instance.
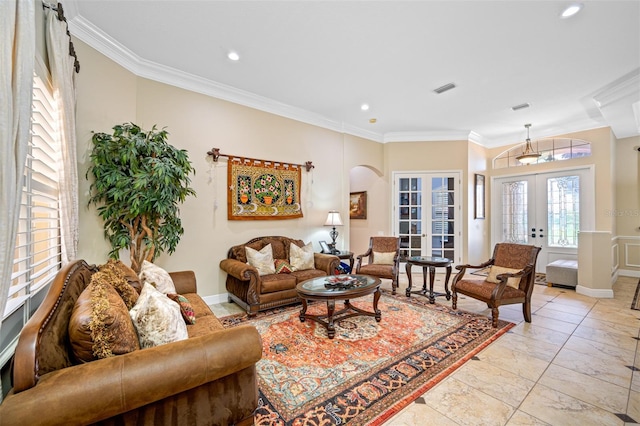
(37, 251)
(558, 149)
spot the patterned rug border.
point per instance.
(380, 413)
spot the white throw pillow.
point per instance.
(261, 260)
(494, 271)
(157, 318)
(157, 277)
(383, 258)
(301, 258)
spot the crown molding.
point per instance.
(622, 88)
(103, 43)
(428, 136)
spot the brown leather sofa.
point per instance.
(207, 379)
(256, 293)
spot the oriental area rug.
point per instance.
(370, 370)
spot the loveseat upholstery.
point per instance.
(254, 292)
(207, 379)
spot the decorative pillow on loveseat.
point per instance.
(282, 266)
(157, 318)
(261, 260)
(100, 325)
(301, 257)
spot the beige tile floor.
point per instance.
(572, 365)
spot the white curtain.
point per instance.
(61, 65)
(17, 57)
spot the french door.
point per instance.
(426, 214)
(546, 210)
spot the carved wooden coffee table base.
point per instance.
(314, 289)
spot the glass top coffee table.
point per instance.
(338, 287)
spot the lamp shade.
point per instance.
(333, 219)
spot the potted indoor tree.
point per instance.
(139, 180)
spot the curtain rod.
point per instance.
(72, 51)
(215, 154)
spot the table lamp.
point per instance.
(333, 219)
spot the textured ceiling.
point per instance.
(318, 61)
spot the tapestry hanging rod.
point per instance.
(72, 51)
(215, 154)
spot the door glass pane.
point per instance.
(514, 212)
(409, 217)
(442, 208)
(563, 211)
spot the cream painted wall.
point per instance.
(627, 211)
(106, 96)
(478, 246)
(434, 156)
(378, 201)
(109, 95)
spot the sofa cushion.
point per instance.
(494, 271)
(156, 276)
(100, 325)
(186, 309)
(282, 266)
(278, 282)
(301, 258)
(157, 318)
(129, 275)
(261, 260)
(308, 274)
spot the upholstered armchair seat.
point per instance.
(389, 270)
(521, 260)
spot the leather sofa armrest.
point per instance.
(97, 390)
(237, 269)
(326, 262)
(184, 281)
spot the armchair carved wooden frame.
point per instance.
(511, 287)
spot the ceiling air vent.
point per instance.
(444, 88)
(521, 106)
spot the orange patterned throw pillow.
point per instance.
(283, 267)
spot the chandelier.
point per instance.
(528, 156)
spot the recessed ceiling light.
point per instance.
(444, 88)
(571, 10)
(233, 56)
(364, 107)
(372, 120)
(521, 106)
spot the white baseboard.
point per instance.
(600, 293)
(629, 273)
(216, 299)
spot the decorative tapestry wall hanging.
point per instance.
(261, 189)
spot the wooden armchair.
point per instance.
(511, 279)
(383, 258)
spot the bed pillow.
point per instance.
(261, 260)
(157, 318)
(157, 277)
(494, 271)
(383, 258)
(301, 258)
